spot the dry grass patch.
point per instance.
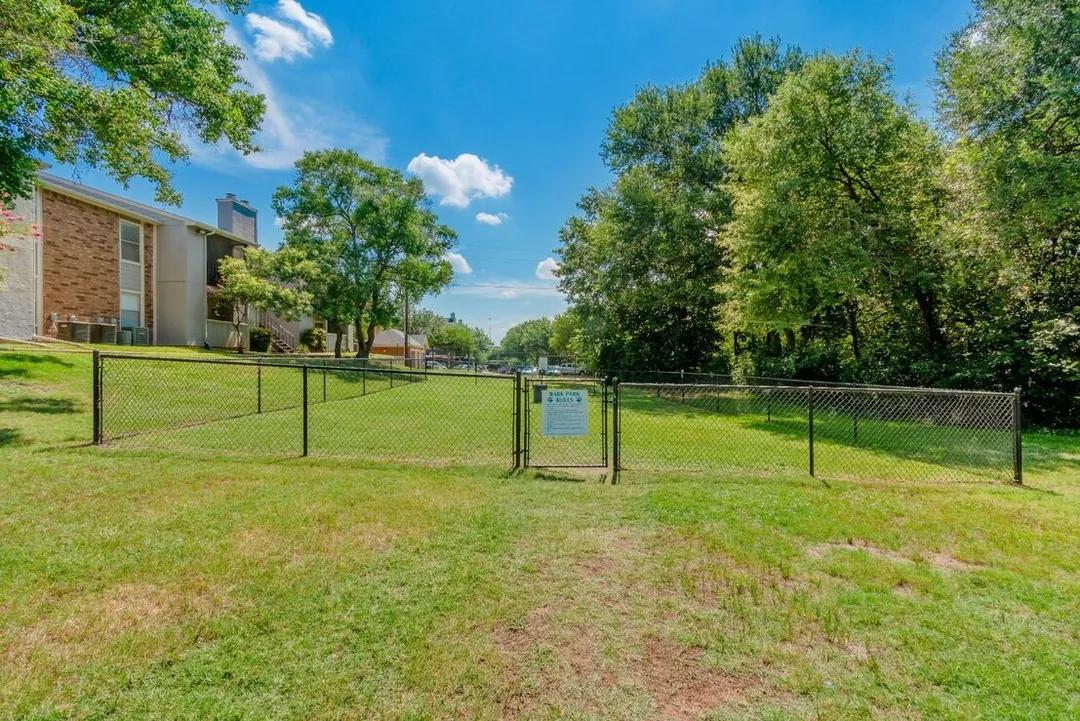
(90, 623)
(937, 560)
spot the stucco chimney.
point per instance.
(238, 217)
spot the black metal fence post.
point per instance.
(810, 414)
(616, 431)
(517, 421)
(97, 397)
(526, 412)
(363, 379)
(324, 385)
(1018, 439)
(305, 410)
(603, 420)
(258, 384)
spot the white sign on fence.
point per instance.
(566, 413)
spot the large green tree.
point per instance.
(836, 213)
(370, 231)
(528, 341)
(118, 84)
(640, 263)
(1009, 93)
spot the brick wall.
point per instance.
(81, 260)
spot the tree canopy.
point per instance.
(118, 85)
(527, 341)
(786, 214)
(370, 232)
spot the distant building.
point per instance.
(391, 342)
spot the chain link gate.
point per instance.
(541, 448)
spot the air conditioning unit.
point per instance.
(141, 336)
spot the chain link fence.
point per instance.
(873, 432)
(283, 409)
(357, 409)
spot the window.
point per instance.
(130, 305)
(130, 242)
(131, 274)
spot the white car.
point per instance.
(570, 370)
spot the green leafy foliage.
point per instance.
(527, 341)
(259, 339)
(640, 263)
(249, 284)
(314, 338)
(787, 215)
(455, 338)
(118, 85)
(458, 340)
(359, 236)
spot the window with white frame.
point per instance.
(131, 274)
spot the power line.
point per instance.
(507, 287)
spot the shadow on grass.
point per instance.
(30, 404)
(11, 437)
(942, 446)
(21, 360)
(561, 477)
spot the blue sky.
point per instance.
(501, 106)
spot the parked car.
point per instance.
(436, 365)
(463, 367)
(528, 370)
(569, 369)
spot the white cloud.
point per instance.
(314, 25)
(545, 269)
(292, 35)
(491, 218)
(461, 180)
(292, 126)
(458, 263)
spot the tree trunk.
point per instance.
(928, 307)
(370, 341)
(337, 340)
(853, 328)
(789, 340)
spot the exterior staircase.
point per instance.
(281, 340)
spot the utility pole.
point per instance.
(407, 363)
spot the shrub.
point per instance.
(259, 340)
(314, 339)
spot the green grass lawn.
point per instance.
(172, 584)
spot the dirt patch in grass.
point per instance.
(93, 621)
(938, 560)
(599, 649)
(683, 688)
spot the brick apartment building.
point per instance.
(105, 259)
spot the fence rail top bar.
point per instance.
(331, 365)
(820, 389)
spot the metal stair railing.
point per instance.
(282, 340)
